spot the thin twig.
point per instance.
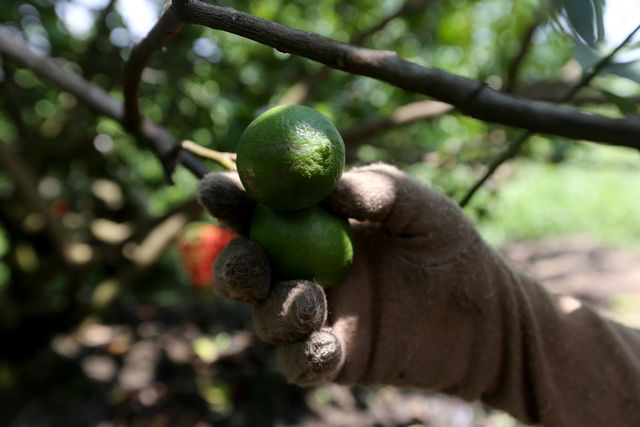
(599, 66)
(189, 207)
(468, 96)
(408, 6)
(512, 150)
(226, 160)
(87, 61)
(514, 147)
(511, 79)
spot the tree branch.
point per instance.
(470, 97)
(587, 78)
(429, 110)
(511, 79)
(12, 94)
(87, 61)
(92, 96)
(299, 91)
(167, 27)
(514, 148)
(408, 6)
(402, 116)
(161, 142)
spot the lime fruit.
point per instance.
(308, 244)
(290, 157)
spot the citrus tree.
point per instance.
(104, 119)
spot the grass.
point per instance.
(596, 194)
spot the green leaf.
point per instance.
(628, 70)
(588, 57)
(627, 106)
(586, 18)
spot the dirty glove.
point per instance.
(427, 304)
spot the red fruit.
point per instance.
(59, 207)
(200, 245)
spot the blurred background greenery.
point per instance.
(100, 323)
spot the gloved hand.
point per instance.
(414, 275)
(426, 304)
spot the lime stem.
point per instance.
(226, 160)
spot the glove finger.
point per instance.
(223, 195)
(316, 360)
(291, 311)
(242, 271)
(367, 193)
(381, 193)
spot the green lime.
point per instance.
(308, 244)
(290, 157)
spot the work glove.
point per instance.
(428, 304)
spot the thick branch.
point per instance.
(470, 97)
(92, 96)
(161, 142)
(428, 110)
(167, 27)
(9, 87)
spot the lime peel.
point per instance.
(290, 157)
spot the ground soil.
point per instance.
(141, 367)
